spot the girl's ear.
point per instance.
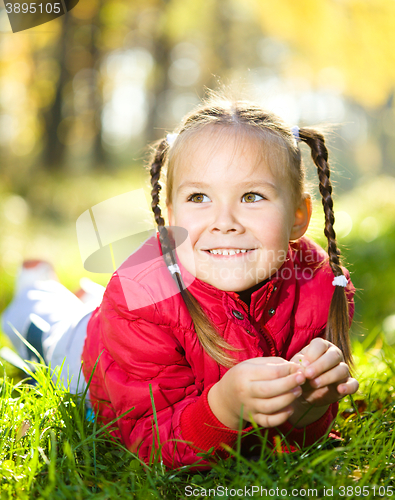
(302, 217)
(169, 208)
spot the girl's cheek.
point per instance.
(186, 255)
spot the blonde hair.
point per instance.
(280, 147)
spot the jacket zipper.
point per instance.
(264, 331)
(270, 341)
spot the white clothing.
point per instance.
(65, 322)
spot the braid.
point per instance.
(166, 243)
(338, 319)
(156, 167)
(208, 336)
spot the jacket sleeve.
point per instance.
(198, 415)
(143, 369)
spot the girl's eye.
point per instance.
(199, 198)
(251, 198)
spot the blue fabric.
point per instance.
(34, 337)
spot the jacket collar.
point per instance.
(277, 293)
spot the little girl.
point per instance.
(242, 319)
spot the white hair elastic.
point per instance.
(295, 133)
(340, 281)
(173, 268)
(170, 138)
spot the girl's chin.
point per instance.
(228, 285)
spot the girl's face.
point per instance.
(239, 213)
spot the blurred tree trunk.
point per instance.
(99, 157)
(54, 150)
(99, 154)
(161, 48)
(55, 146)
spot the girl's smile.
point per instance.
(239, 213)
(228, 251)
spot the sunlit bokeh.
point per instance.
(82, 96)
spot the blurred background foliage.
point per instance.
(81, 96)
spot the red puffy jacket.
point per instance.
(146, 340)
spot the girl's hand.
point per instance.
(259, 389)
(328, 380)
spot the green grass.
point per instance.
(49, 450)
(61, 455)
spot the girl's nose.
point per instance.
(226, 221)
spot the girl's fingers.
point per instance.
(271, 420)
(269, 370)
(332, 393)
(276, 404)
(337, 374)
(271, 388)
(348, 387)
(328, 360)
(298, 358)
(315, 350)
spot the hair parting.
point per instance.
(338, 319)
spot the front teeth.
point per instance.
(226, 252)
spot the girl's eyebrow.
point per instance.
(199, 185)
(255, 184)
(244, 185)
